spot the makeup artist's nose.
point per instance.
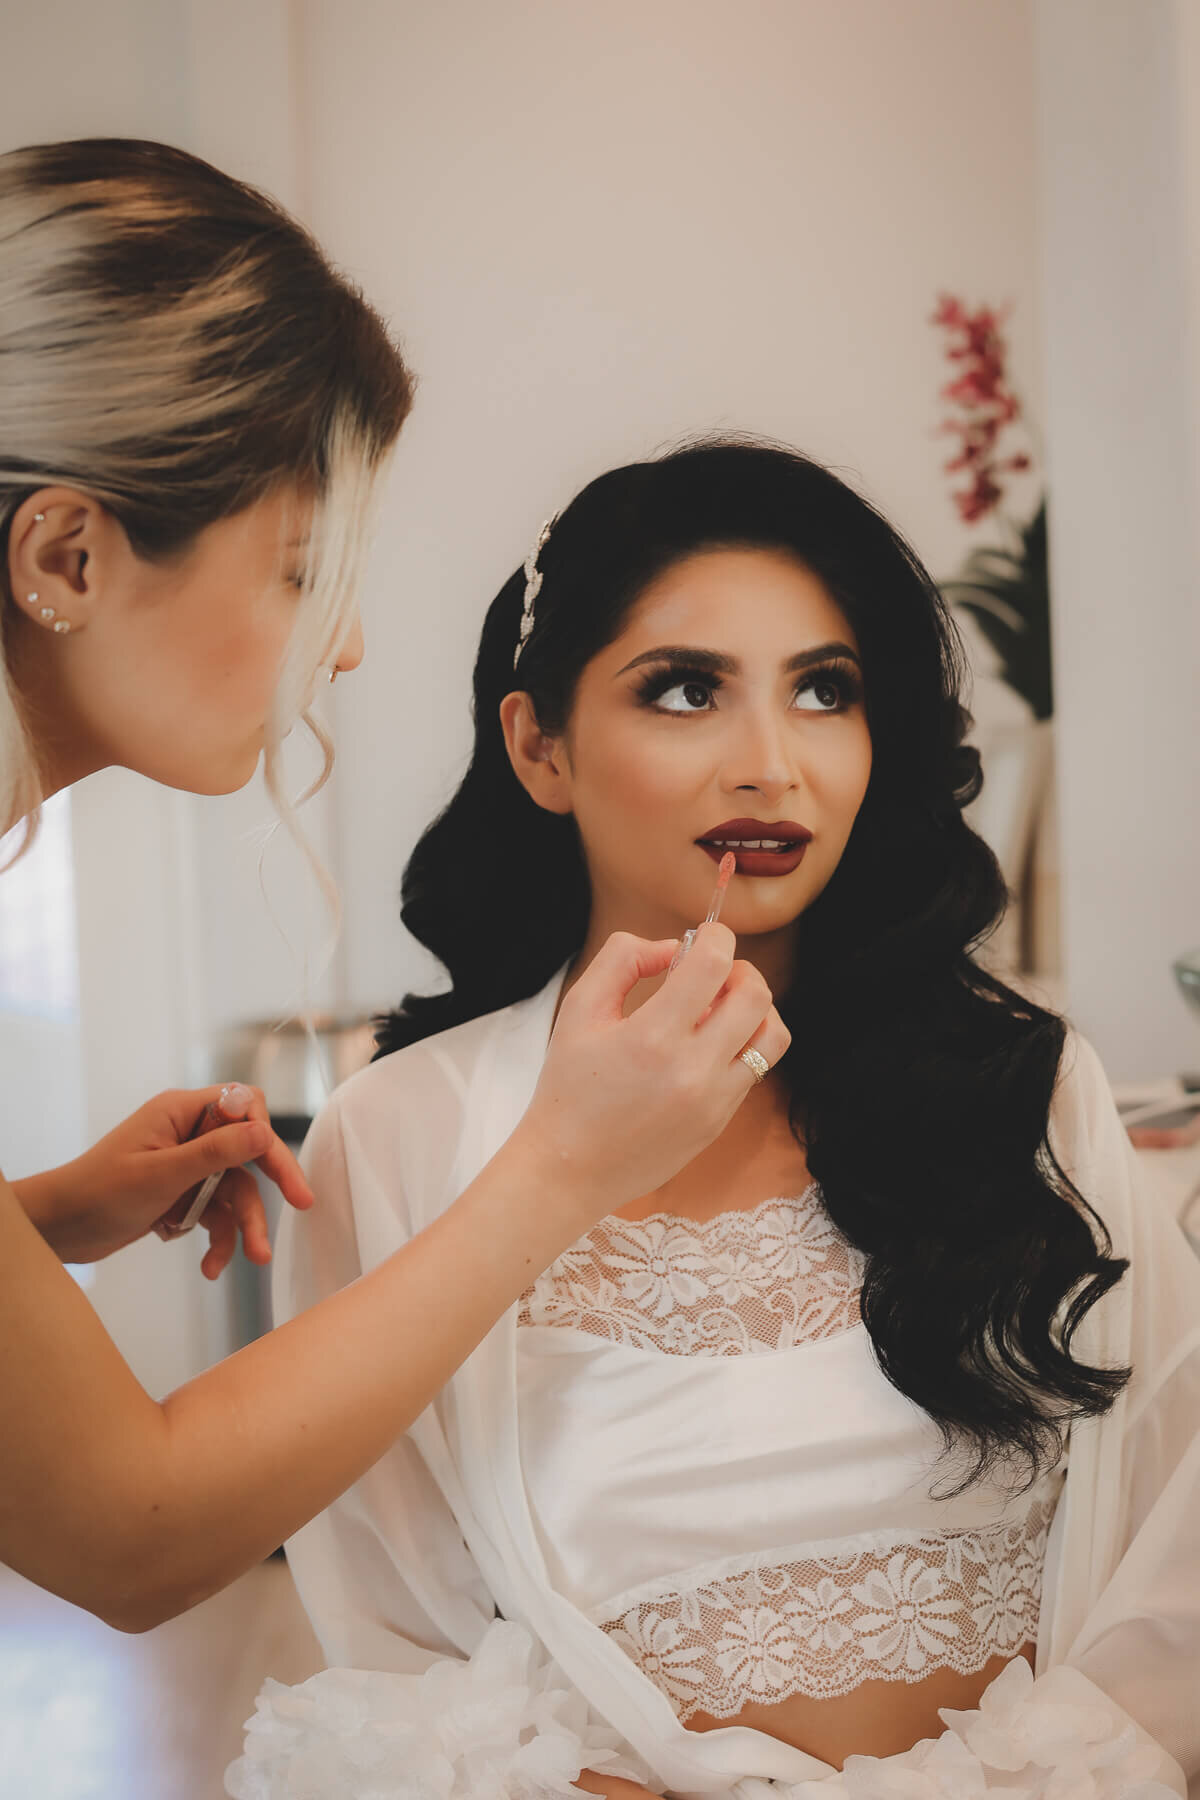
(351, 652)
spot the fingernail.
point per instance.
(235, 1100)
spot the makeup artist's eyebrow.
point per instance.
(714, 662)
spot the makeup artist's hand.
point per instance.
(120, 1189)
(623, 1103)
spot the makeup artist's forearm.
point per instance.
(36, 1194)
(136, 1509)
(261, 1443)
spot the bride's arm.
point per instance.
(137, 1509)
(614, 1787)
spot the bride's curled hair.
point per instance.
(920, 1084)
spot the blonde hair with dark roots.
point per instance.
(176, 345)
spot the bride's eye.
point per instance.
(668, 691)
(685, 696)
(830, 690)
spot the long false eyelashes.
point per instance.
(837, 673)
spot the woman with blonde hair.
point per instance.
(195, 412)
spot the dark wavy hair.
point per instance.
(920, 1084)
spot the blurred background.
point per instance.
(597, 230)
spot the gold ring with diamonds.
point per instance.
(756, 1062)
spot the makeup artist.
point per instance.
(195, 411)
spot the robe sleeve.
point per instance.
(1139, 1638)
(429, 1694)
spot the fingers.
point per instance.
(281, 1166)
(224, 1148)
(222, 1238)
(771, 1040)
(251, 1139)
(236, 1208)
(276, 1161)
(743, 1015)
(695, 984)
(600, 993)
(249, 1214)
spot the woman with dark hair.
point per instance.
(885, 1401)
(196, 411)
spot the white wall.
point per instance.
(597, 229)
(600, 228)
(1122, 306)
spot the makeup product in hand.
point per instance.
(728, 865)
(211, 1119)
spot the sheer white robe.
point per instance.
(405, 1573)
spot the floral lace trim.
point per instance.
(894, 1609)
(770, 1278)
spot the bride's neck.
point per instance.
(771, 953)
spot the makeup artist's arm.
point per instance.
(119, 1189)
(137, 1509)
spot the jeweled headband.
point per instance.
(533, 587)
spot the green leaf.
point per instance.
(1006, 589)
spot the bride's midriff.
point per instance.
(880, 1718)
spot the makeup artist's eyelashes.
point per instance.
(829, 687)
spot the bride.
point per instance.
(800, 1468)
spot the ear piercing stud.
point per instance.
(39, 518)
(46, 613)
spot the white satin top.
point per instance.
(404, 1574)
(721, 1478)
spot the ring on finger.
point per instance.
(756, 1062)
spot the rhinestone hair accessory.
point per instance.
(533, 587)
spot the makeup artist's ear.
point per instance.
(539, 762)
(62, 546)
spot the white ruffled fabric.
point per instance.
(505, 1726)
(1053, 1737)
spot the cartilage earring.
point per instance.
(31, 599)
(39, 518)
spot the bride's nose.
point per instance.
(763, 760)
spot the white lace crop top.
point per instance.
(722, 1479)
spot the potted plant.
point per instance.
(1005, 587)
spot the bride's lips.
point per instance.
(785, 843)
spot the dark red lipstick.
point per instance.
(761, 846)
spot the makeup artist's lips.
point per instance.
(762, 847)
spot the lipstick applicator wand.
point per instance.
(728, 865)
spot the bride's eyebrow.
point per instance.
(715, 662)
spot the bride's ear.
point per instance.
(539, 762)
